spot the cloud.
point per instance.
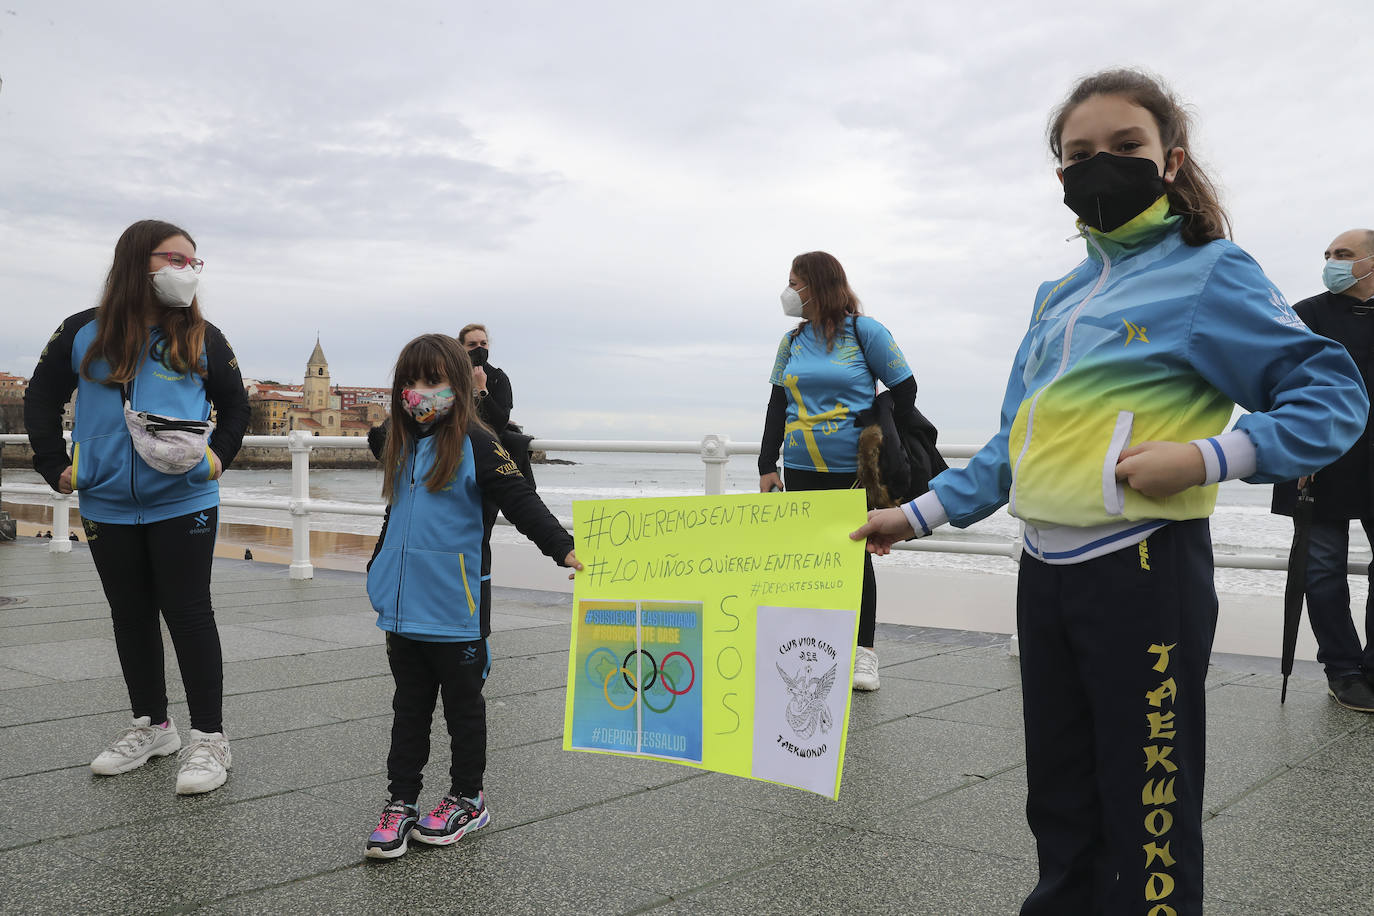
(617, 189)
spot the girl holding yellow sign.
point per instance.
(1110, 448)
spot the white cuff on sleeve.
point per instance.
(925, 513)
(1228, 456)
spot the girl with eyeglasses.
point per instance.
(151, 530)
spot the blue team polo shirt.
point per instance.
(825, 390)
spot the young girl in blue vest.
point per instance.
(1110, 447)
(445, 477)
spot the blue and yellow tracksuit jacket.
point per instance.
(1150, 339)
(429, 576)
(116, 485)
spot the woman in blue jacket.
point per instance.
(1110, 447)
(151, 532)
(824, 374)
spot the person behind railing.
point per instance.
(823, 375)
(1343, 491)
(495, 399)
(1110, 447)
(490, 385)
(151, 530)
(429, 579)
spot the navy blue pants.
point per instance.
(1114, 656)
(422, 671)
(163, 567)
(1328, 601)
(798, 480)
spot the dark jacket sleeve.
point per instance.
(505, 487)
(904, 400)
(52, 384)
(376, 438)
(495, 408)
(381, 537)
(224, 385)
(773, 423)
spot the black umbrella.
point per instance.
(1296, 586)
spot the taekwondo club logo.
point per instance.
(808, 684)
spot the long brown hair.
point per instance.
(828, 291)
(121, 328)
(1192, 195)
(429, 358)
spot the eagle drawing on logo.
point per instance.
(807, 707)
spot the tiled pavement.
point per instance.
(929, 820)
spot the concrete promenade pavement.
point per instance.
(929, 821)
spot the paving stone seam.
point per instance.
(974, 779)
(1282, 770)
(50, 680)
(48, 623)
(926, 714)
(288, 687)
(203, 803)
(100, 602)
(975, 850)
(365, 863)
(203, 902)
(19, 628)
(684, 896)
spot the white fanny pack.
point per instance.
(167, 444)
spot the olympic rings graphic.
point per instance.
(626, 664)
(690, 667)
(672, 695)
(606, 690)
(591, 676)
(658, 675)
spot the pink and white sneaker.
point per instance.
(388, 841)
(454, 818)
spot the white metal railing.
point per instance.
(714, 451)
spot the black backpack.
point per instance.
(896, 460)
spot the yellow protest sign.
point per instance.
(718, 632)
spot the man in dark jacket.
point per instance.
(1341, 491)
(495, 398)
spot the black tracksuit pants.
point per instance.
(422, 671)
(163, 566)
(796, 479)
(1114, 656)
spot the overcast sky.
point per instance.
(617, 189)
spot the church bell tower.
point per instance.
(315, 393)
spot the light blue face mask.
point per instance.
(1339, 276)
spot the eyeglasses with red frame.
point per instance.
(180, 261)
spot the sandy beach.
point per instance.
(328, 549)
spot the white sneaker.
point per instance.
(865, 669)
(132, 748)
(205, 763)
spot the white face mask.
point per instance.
(792, 302)
(175, 288)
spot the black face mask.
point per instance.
(478, 355)
(1109, 191)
